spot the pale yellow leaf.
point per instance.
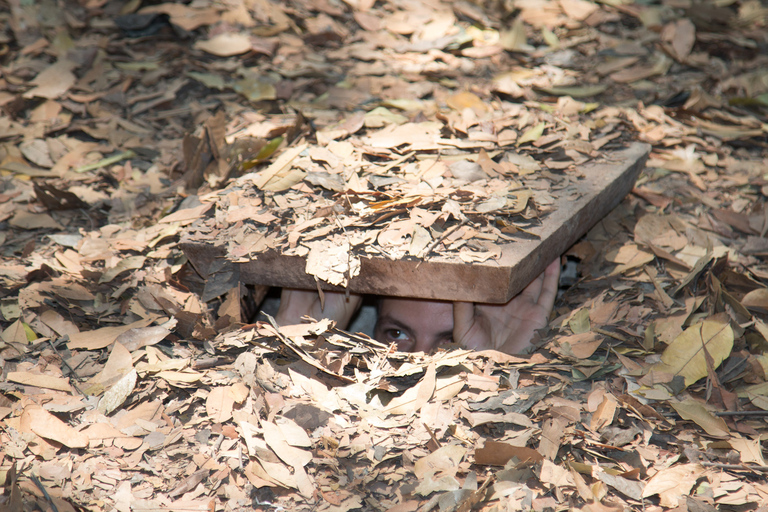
(294, 434)
(282, 163)
(629, 256)
(578, 346)
(54, 81)
(584, 91)
(333, 263)
(579, 321)
(685, 355)
(182, 377)
(750, 450)
(119, 364)
(103, 337)
(757, 299)
(514, 39)
(115, 396)
(27, 220)
(532, 134)
(225, 44)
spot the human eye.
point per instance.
(399, 337)
(395, 335)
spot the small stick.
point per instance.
(45, 493)
(74, 377)
(742, 413)
(737, 467)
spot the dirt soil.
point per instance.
(130, 384)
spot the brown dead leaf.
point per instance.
(41, 381)
(219, 404)
(695, 411)
(681, 35)
(276, 440)
(100, 338)
(604, 414)
(579, 346)
(46, 425)
(54, 81)
(497, 453)
(119, 364)
(187, 17)
(414, 398)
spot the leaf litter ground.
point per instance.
(125, 386)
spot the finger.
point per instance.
(353, 303)
(532, 292)
(339, 299)
(463, 317)
(341, 308)
(550, 282)
(294, 304)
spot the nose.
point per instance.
(423, 344)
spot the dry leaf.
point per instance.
(414, 398)
(140, 337)
(225, 44)
(495, 453)
(579, 321)
(46, 425)
(628, 257)
(129, 263)
(116, 395)
(26, 220)
(54, 81)
(685, 355)
(532, 134)
(41, 381)
(579, 346)
(276, 440)
(695, 411)
(604, 414)
(673, 484)
(334, 264)
(219, 404)
(119, 364)
(100, 338)
(757, 299)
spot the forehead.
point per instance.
(419, 315)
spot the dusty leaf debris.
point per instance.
(123, 389)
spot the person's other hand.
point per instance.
(294, 304)
(508, 327)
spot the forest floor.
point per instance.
(128, 385)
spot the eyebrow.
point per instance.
(392, 322)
